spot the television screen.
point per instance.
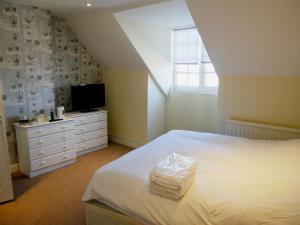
(86, 97)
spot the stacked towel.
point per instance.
(173, 176)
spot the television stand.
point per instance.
(89, 110)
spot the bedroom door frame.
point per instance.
(6, 188)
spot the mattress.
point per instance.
(238, 181)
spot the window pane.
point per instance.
(209, 68)
(193, 80)
(181, 79)
(181, 68)
(194, 68)
(187, 80)
(187, 75)
(211, 80)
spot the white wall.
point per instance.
(126, 97)
(156, 110)
(153, 43)
(263, 99)
(192, 111)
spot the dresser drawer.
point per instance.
(91, 127)
(91, 135)
(91, 144)
(90, 118)
(52, 149)
(52, 160)
(51, 139)
(50, 129)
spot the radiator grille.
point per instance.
(259, 131)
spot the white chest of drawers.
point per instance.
(45, 147)
(90, 130)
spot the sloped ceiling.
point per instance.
(67, 7)
(98, 29)
(149, 30)
(243, 37)
(106, 41)
(100, 32)
(254, 37)
(168, 14)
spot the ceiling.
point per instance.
(63, 7)
(254, 37)
(172, 14)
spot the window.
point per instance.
(193, 69)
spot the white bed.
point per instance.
(239, 182)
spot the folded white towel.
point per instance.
(173, 176)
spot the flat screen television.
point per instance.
(87, 97)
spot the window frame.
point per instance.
(181, 87)
(202, 74)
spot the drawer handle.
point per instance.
(66, 156)
(82, 147)
(43, 163)
(82, 129)
(83, 138)
(64, 137)
(39, 131)
(42, 152)
(65, 147)
(64, 127)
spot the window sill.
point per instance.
(197, 91)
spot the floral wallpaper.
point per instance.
(40, 58)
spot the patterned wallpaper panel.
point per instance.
(40, 58)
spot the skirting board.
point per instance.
(124, 141)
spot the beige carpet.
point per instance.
(55, 198)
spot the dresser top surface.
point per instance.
(36, 124)
(77, 113)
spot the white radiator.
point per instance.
(259, 131)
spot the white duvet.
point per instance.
(238, 182)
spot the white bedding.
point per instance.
(238, 182)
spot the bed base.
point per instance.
(97, 213)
